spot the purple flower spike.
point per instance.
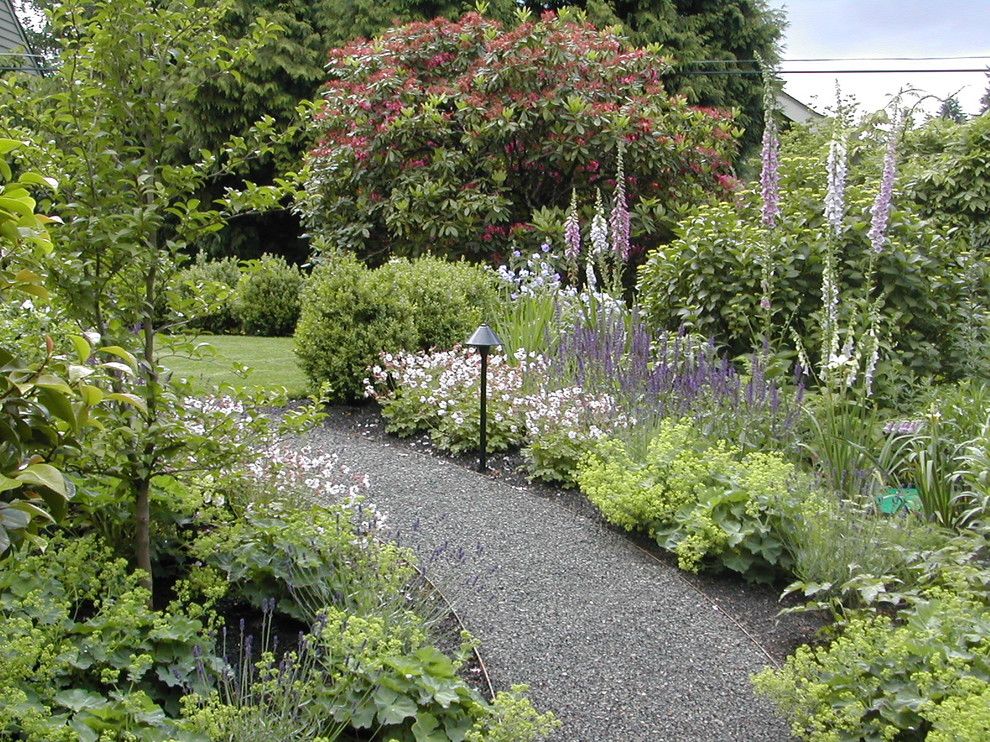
(882, 203)
(619, 218)
(770, 172)
(572, 231)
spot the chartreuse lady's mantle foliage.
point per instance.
(702, 500)
(451, 137)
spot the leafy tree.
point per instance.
(948, 176)
(111, 120)
(457, 137)
(951, 110)
(720, 37)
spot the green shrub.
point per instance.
(704, 501)
(267, 299)
(709, 277)
(450, 299)
(346, 321)
(885, 680)
(351, 315)
(205, 295)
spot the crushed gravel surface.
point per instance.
(617, 643)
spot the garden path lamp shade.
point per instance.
(484, 340)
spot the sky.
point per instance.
(848, 29)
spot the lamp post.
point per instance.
(484, 340)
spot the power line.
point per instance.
(827, 72)
(836, 59)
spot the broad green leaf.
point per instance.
(44, 475)
(82, 347)
(131, 399)
(116, 350)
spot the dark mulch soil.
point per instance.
(754, 607)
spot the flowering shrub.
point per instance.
(562, 426)
(453, 136)
(706, 502)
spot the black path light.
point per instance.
(484, 340)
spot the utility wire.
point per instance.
(827, 72)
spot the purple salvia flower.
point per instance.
(881, 205)
(619, 218)
(572, 231)
(599, 229)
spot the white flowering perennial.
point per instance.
(573, 412)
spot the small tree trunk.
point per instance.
(142, 535)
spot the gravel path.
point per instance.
(615, 643)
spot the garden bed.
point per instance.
(753, 607)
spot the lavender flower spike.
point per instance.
(599, 229)
(572, 231)
(619, 218)
(881, 205)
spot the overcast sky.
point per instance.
(886, 28)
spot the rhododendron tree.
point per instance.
(468, 138)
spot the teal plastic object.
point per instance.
(899, 500)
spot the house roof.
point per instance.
(796, 111)
(15, 52)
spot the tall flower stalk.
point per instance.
(881, 204)
(619, 218)
(572, 239)
(770, 191)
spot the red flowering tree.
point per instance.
(460, 138)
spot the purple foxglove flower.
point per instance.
(572, 231)
(881, 205)
(619, 218)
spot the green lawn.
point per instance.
(271, 360)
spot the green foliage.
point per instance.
(709, 278)
(81, 652)
(948, 176)
(111, 122)
(703, 501)
(346, 320)
(350, 315)
(267, 300)
(205, 292)
(882, 679)
(452, 137)
(46, 402)
(695, 33)
(513, 719)
(845, 556)
(449, 299)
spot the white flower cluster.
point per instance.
(538, 275)
(289, 466)
(574, 412)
